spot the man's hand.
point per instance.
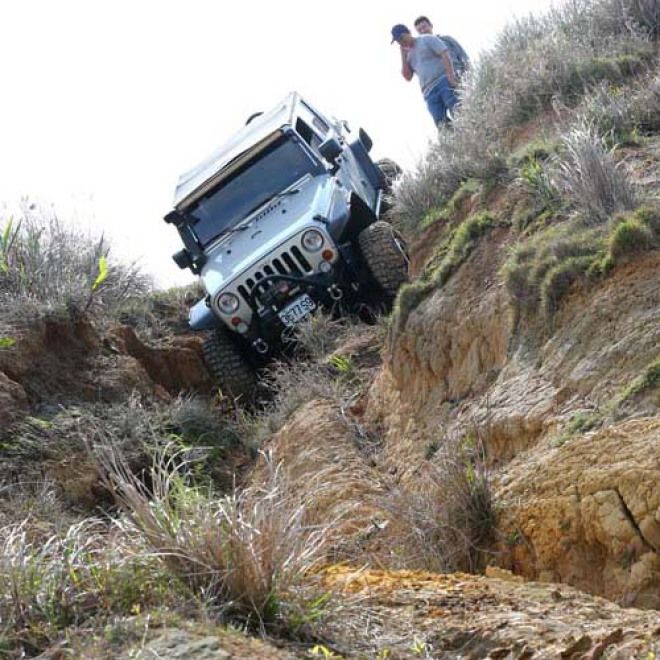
(406, 70)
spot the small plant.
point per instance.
(578, 424)
(535, 176)
(341, 363)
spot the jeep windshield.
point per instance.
(261, 179)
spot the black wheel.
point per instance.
(224, 359)
(384, 252)
(391, 170)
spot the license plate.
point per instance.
(297, 310)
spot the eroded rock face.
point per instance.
(588, 513)
(462, 366)
(61, 359)
(13, 401)
(323, 469)
(465, 616)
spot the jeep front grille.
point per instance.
(288, 262)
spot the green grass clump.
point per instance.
(452, 252)
(629, 237)
(540, 271)
(462, 241)
(634, 233)
(578, 424)
(540, 149)
(410, 296)
(649, 380)
(452, 207)
(557, 281)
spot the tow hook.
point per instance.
(335, 292)
(260, 346)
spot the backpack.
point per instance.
(459, 58)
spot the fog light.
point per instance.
(325, 267)
(239, 325)
(328, 255)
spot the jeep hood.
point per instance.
(320, 197)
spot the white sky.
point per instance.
(105, 103)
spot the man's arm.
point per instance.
(449, 68)
(406, 69)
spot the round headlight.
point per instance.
(312, 240)
(228, 303)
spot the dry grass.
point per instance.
(249, 554)
(70, 579)
(591, 179)
(46, 266)
(446, 524)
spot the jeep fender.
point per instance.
(360, 216)
(200, 316)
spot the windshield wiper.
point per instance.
(234, 230)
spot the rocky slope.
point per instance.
(574, 505)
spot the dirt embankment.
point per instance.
(575, 504)
(62, 360)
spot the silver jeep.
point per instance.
(280, 221)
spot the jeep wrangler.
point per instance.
(280, 221)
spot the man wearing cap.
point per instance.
(428, 57)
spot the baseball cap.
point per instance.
(398, 30)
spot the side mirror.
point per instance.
(330, 150)
(182, 259)
(174, 218)
(366, 140)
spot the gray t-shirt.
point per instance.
(426, 61)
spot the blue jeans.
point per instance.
(440, 99)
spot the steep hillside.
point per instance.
(476, 475)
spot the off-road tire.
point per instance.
(231, 370)
(383, 251)
(391, 171)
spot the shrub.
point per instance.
(49, 266)
(590, 177)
